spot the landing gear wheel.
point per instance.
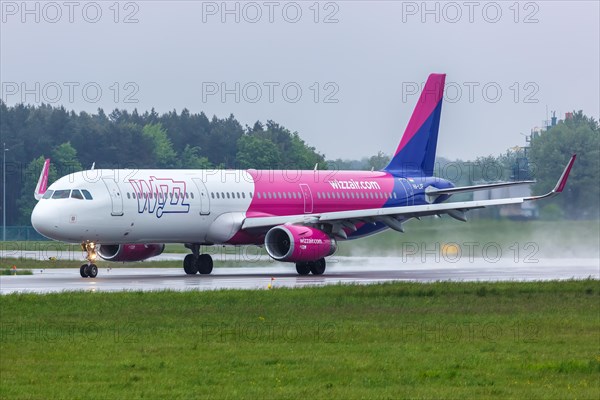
(189, 266)
(317, 267)
(91, 270)
(205, 264)
(82, 271)
(302, 268)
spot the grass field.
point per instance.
(440, 340)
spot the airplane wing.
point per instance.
(394, 216)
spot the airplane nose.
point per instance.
(44, 220)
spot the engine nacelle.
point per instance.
(129, 252)
(296, 243)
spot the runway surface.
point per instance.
(344, 270)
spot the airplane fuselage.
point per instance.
(209, 206)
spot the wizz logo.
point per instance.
(160, 196)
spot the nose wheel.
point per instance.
(89, 270)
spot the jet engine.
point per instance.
(129, 252)
(295, 243)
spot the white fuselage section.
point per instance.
(146, 206)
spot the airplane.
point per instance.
(127, 215)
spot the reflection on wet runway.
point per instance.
(344, 270)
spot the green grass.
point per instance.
(439, 340)
(19, 271)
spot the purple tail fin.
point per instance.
(416, 152)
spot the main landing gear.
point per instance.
(316, 267)
(89, 270)
(196, 262)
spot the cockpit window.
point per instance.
(76, 194)
(86, 194)
(48, 194)
(61, 194)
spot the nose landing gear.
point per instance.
(89, 270)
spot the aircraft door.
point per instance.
(308, 200)
(410, 199)
(115, 196)
(204, 199)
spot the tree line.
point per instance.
(124, 139)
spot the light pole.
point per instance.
(4, 150)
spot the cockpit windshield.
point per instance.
(86, 194)
(65, 194)
(61, 194)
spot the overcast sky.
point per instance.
(343, 74)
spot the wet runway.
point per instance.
(344, 270)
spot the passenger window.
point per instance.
(48, 194)
(61, 194)
(250, 193)
(76, 194)
(212, 194)
(238, 195)
(243, 195)
(318, 195)
(218, 195)
(192, 195)
(258, 194)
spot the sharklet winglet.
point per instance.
(42, 184)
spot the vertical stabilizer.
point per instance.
(416, 152)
